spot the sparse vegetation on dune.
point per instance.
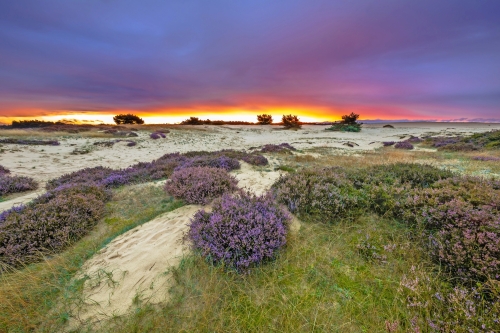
(390, 241)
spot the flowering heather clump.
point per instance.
(83, 176)
(137, 173)
(326, 193)
(131, 144)
(414, 139)
(14, 209)
(241, 231)
(485, 158)
(3, 171)
(31, 142)
(16, 184)
(403, 145)
(212, 161)
(272, 148)
(388, 143)
(154, 136)
(200, 185)
(255, 159)
(50, 223)
(468, 240)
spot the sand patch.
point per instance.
(134, 266)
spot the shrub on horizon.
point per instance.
(200, 185)
(347, 124)
(241, 231)
(128, 119)
(291, 121)
(264, 119)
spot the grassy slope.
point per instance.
(29, 296)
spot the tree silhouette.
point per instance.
(128, 119)
(291, 121)
(264, 119)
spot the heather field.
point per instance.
(233, 228)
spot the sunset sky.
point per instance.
(167, 60)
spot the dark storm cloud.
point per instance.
(420, 56)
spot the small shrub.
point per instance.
(128, 119)
(467, 242)
(324, 193)
(281, 148)
(213, 161)
(31, 142)
(264, 119)
(403, 145)
(348, 124)
(154, 136)
(291, 121)
(388, 143)
(50, 223)
(131, 144)
(388, 126)
(200, 185)
(255, 159)
(3, 171)
(241, 231)
(16, 184)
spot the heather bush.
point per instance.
(403, 145)
(485, 158)
(200, 185)
(131, 144)
(3, 171)
(83, 176)
(281, 148)
(255, 159)
(325, 193)
(50, 223)
(467, 242)
(154, 136)
(31, 142)
(16, 184)
(388, 143)
(241, 231)
(414, 139)
(212, 161)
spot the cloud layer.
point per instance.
(385, 59)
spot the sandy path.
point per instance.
(135, 264)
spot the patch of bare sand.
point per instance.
(134, 266)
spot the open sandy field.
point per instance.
(136, 264)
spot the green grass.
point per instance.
(320, 282)
(42, 295)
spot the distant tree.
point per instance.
(31, 123)
(347, 124)
(350, 119)
(291, 121)
(264, 119)
(128, 119)
(192, 121)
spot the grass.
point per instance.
(41, 295)
(320, 283)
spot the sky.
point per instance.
(167, 60)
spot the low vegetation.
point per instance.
(478, 141)
(128, 119)
(348, 123)
(241, 231)
(15, 184)
(200, 185)
(264, 119)
(291, 122)
(30, 142)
